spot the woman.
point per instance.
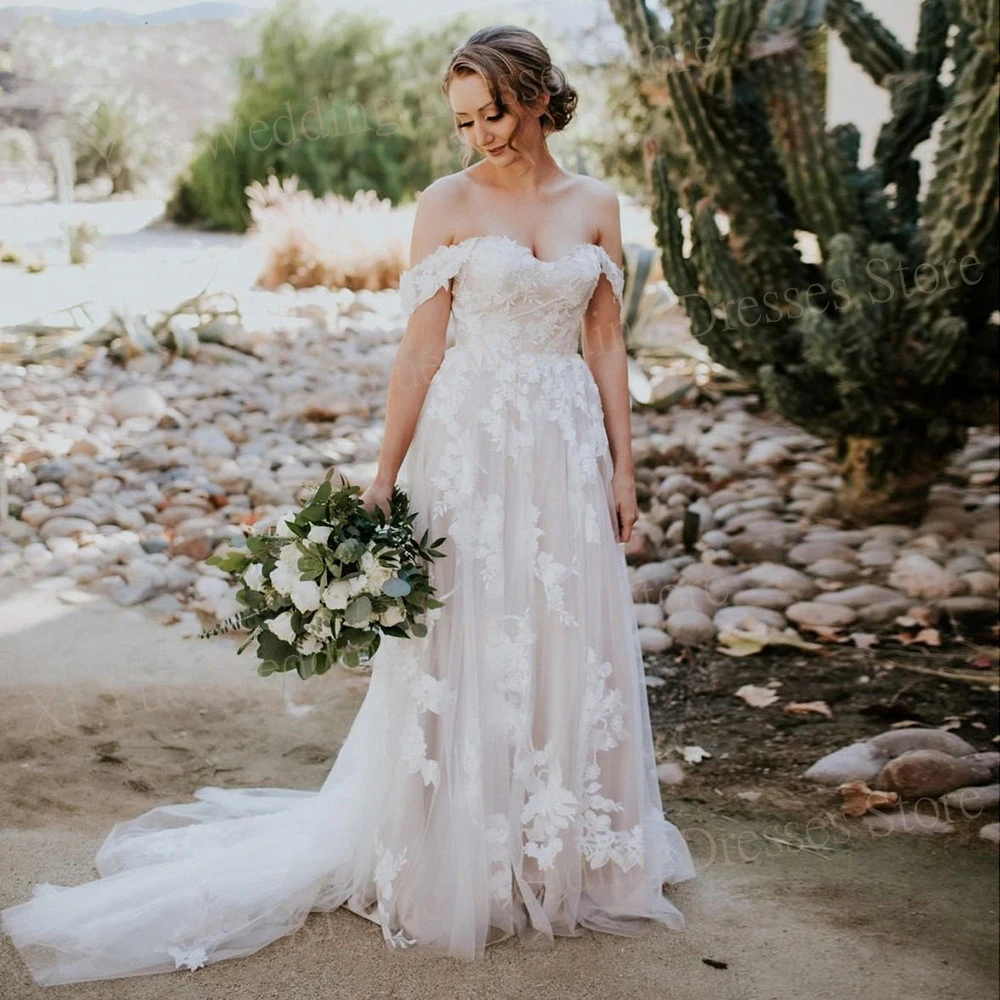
(499, 777)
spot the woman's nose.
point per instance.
(483, 136)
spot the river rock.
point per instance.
(650, 581)
(917, 773)
(973, 799)
(648, 615)
(861, 596)
(67, 527)
(137, 401)
(744, 616)
(688, 598)
(690, 628)
(990, 832)
(785, 578)
(856, 762)
(894, 742)
(825, 615)
(919, 821)
(653, 640)
(919, 576)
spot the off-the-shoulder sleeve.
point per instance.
(613, 272)
(433, 272)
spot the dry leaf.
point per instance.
(756, 697)
(905, 724)
(748, 641)
(864, 640)
(860, 799)
(984, 660)
(826, 632)
(694, 754)
(927, 636)
(918, 615)
(804, 707)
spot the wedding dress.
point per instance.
(499, 777)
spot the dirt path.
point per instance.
(106, 714)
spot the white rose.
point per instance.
(337, 595)
(358, 583)
(319, 533)
(392, 616)
(285, 576)
(305, 595)
(368, 563)
(281, 528)
(254, 577)
(281, 626)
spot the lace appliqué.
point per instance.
(550, 806)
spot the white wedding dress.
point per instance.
(499, 777)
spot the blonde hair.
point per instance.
(511, 58)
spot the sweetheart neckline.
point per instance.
(527, 249)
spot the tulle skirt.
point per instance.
(499, 778)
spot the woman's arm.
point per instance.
(604, 352)
(421, 348)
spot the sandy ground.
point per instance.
(106, 714)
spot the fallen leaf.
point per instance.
(926, 636)
(864, 640)
(905, 724)
(983, 662)
(715, 964)
(756, 697)
(919, 614)
(826, 632)
(748, 641)
(694, 754)
(804, 707)
(860, 799)
(951, 722)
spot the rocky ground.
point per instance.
(773, 641)
(105, 712)
(773, 633)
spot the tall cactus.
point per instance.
(888, 343)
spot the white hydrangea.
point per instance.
(281, 626)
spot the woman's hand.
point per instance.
(626, 506)
(377, 495)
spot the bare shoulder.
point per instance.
(599, 204)
(439, 205)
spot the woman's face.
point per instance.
(482, 125)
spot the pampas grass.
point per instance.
(331, 241)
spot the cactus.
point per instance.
(884, 341)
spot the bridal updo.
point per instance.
(510, 58)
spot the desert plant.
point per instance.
(113, 137)
(886, 342)
(331, 241)
(341, 106)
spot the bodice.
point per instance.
(506, 302)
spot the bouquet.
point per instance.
(329, 581)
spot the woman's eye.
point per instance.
(489, 118)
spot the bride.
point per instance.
(499, 778)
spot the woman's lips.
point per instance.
(496, 150)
